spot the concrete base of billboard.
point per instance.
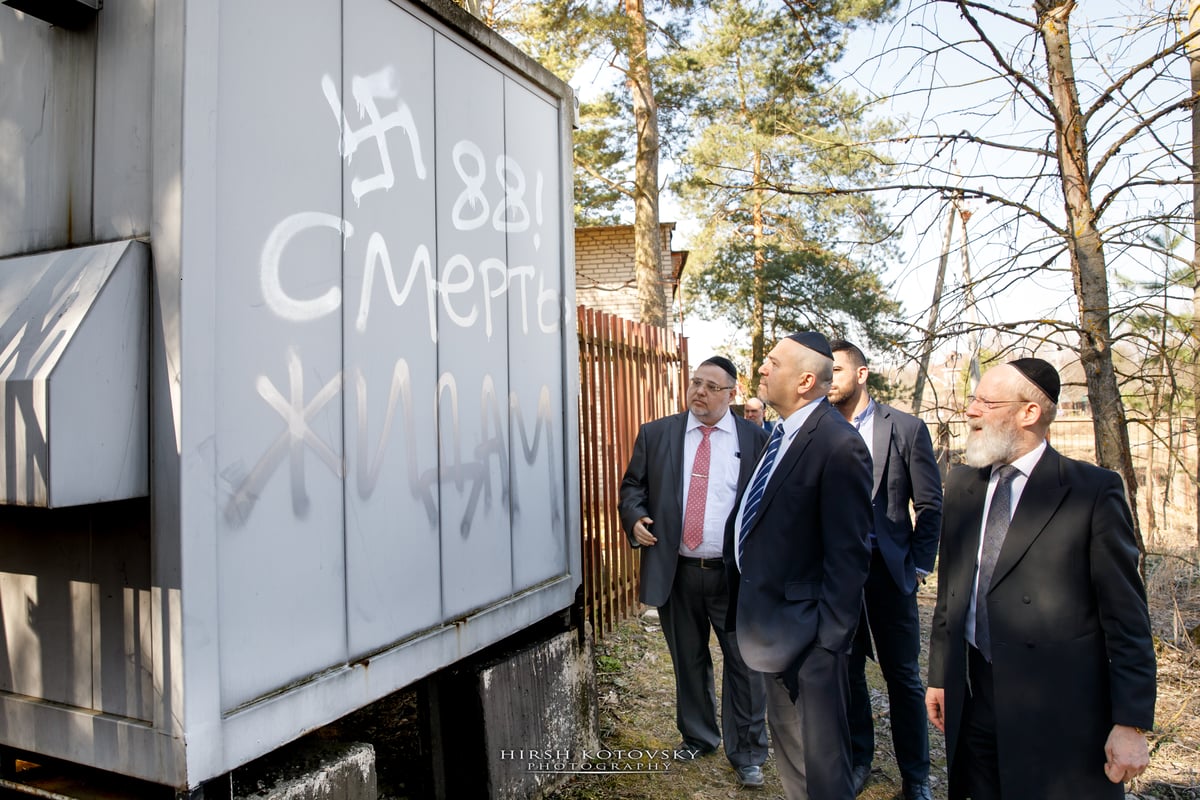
(518, 725)
(310, 770)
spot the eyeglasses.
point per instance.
(990, 404)
(708, 386)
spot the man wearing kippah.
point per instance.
(797, 554)
(676, 494)
(1041, 665)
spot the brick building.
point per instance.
(604, 272)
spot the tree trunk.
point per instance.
(1193, 50)
(1088, 267)
(974, 370)
(934, 308)
(1151, 448)
(758, 347)
(647, 238)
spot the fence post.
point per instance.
(629, 374)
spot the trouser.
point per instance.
(698, 604)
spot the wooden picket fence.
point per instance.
(629, 373)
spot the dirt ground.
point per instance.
(637, 708)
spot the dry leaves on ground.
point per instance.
(637, 708)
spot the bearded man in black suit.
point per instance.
(1041, 665)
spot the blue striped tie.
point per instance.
(754, 498)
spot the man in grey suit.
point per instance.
(676, 495)
(797, 556)
(905, 469)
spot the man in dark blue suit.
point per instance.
(676, 495)
(797, 555)
(905, 469)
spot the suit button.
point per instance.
(1026, 600)
(1029, 644)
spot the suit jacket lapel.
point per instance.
(1043, 494)
(976, 491)
(790, 457)
(747, 455)
(788, 460)
(880, 444)
(674, 465)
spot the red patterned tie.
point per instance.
(693, 515)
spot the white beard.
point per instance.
(990, 445)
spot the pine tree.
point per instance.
(770, 116)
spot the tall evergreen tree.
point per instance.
(770, 115)
(572, 38)
(619, 141)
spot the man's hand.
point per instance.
(1127, 753)
(935, 707)
(642, 534)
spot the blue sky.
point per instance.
(888, 63)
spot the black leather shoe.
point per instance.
(860, 774)
(917, 791)
(750, 777)
(687, 752)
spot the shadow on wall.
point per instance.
(75, 614)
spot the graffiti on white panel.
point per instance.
(543, 425)
(469, 472)
(295, 309)
(466, 292)
(366, 90)
(472, 475)
(482, 293)
(422, 483)
(378, 260)
(468, 475)
(291, 442)
(471, 208)
(537, 209)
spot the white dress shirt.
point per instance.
(791, 426)
(864, 423)
(723, 468)
(1024, 465)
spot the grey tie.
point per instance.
(998, 518)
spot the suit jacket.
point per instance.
(653, 487)
(905, 468)
(1071, 647)
(805, 558)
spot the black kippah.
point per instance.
(813, 341)
(722, 362)
(1041, 373)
